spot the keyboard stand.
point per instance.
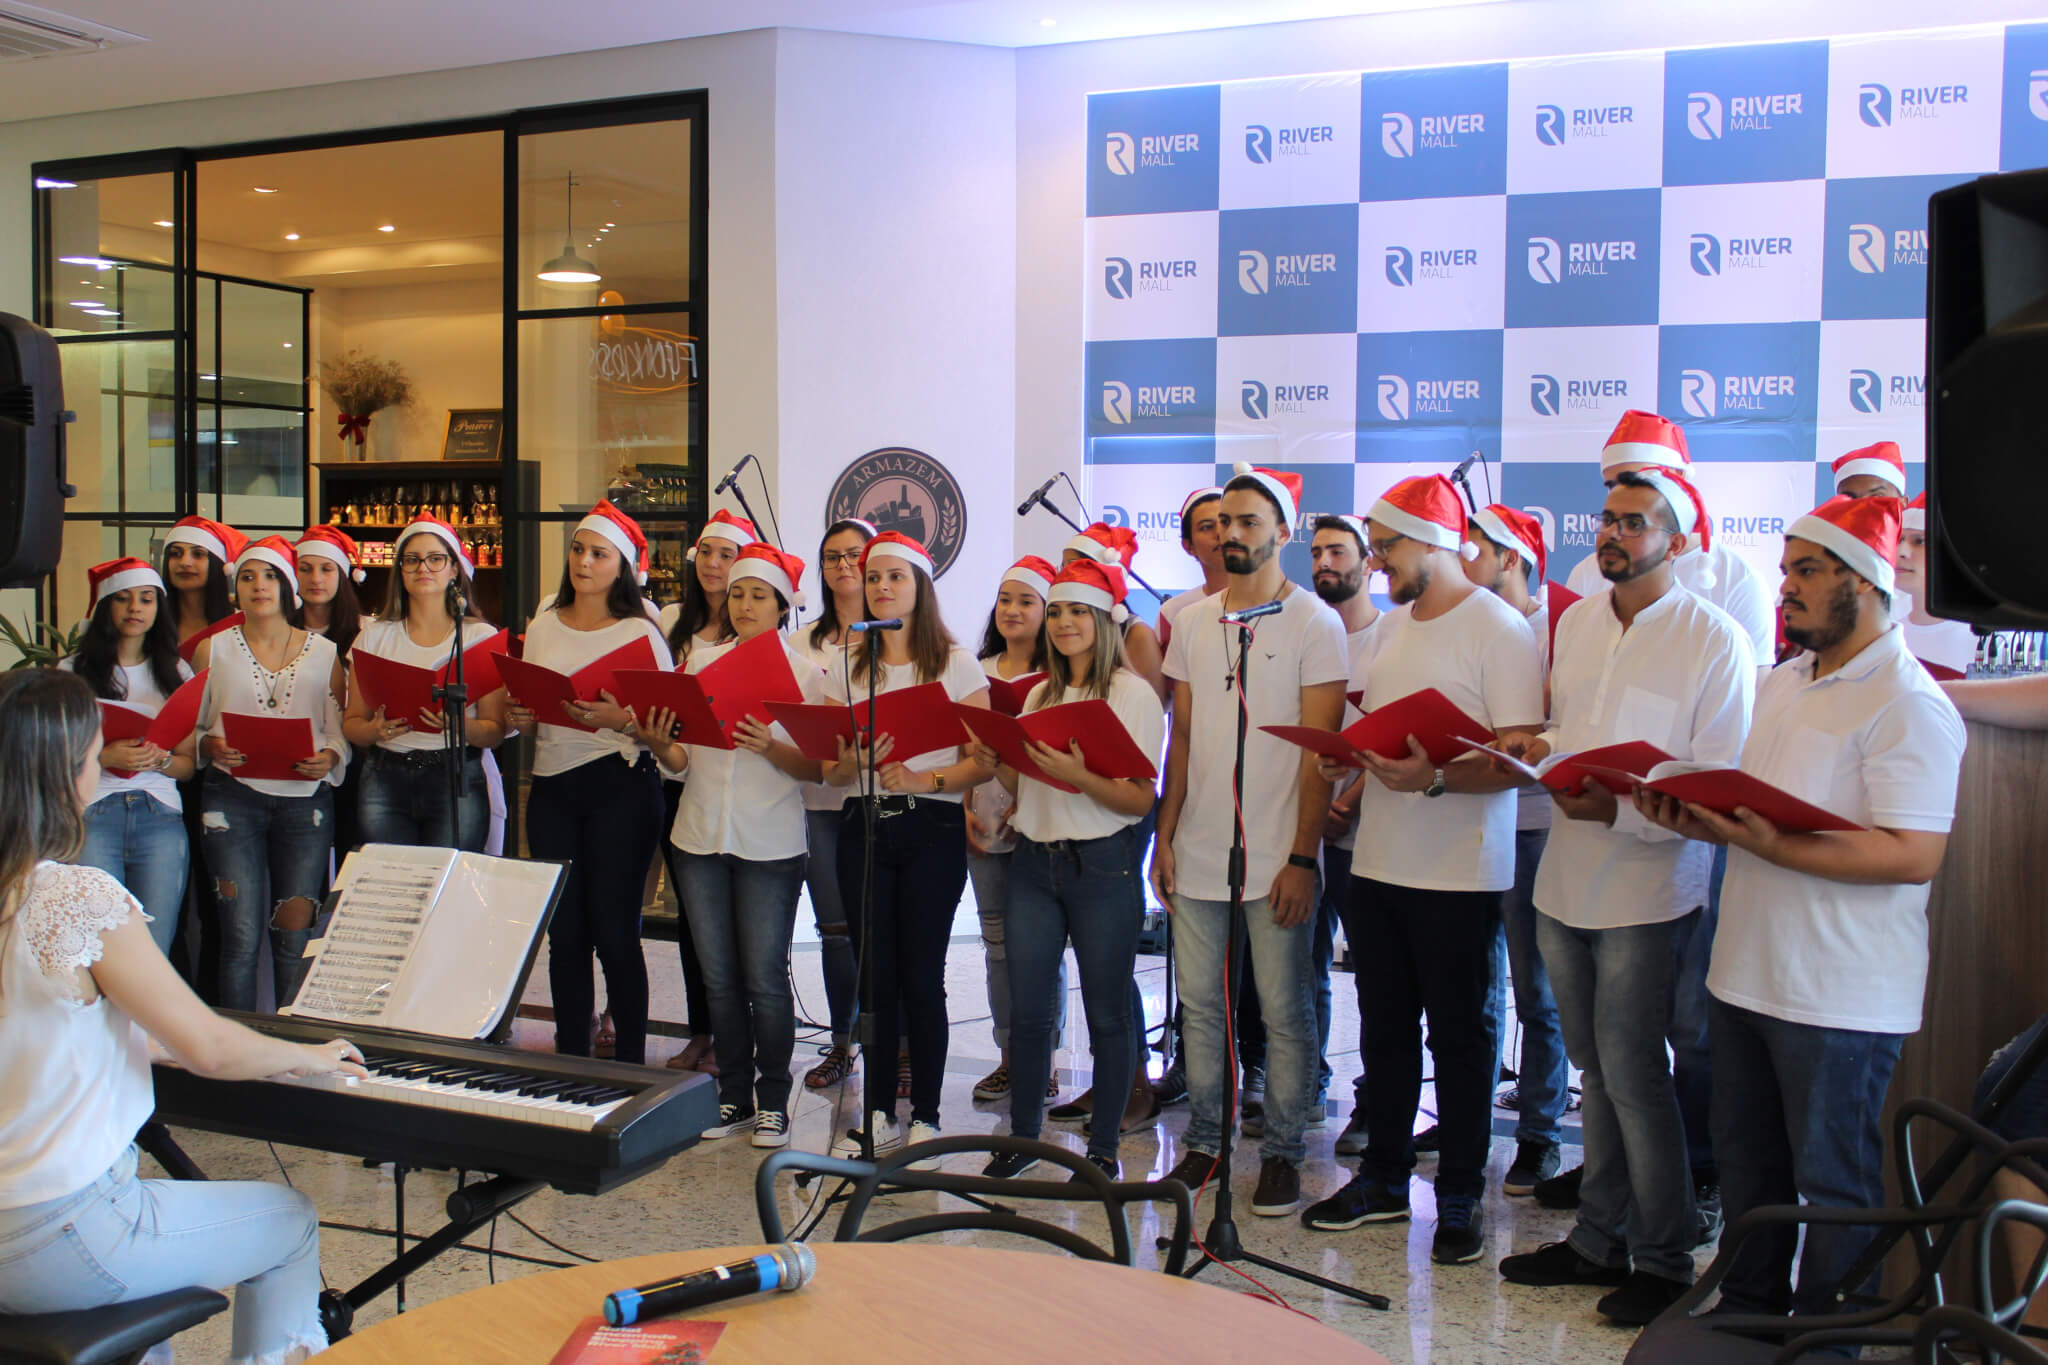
(469, 1207)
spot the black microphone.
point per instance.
(1464, 466)
(887, 623)
(732, 475)
(789, 1266)
(1038, 497)
(1238, 618)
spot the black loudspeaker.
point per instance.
(32, 486)
(1987, 405)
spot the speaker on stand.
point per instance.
(32, 482)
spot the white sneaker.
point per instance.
(771, 1129)
(920, 1131)
(888, 1137)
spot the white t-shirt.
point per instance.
(1481, 656)
(991, 802)
(1680, 677)
(1172, 607)
(139, 693)
(1302, 645)
(1354, 653)
(1044, 814)
(734, 800)
(551, 644)
(237, 684)
(390, 640)
(1877, 742)
(74, 1077)
(962, 679)
(1737, 589)
(1952, 644)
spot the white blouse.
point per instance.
(237, 684)
(551, 644)
(734, 800)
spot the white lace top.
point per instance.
(74, 1076)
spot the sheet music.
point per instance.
(387, 895)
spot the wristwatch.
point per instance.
(938, 783)
(1436, 784)
(1303, 861)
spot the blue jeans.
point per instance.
(403, 799)
(262, 852)
(990, 873)
(1079, 891)
(121, 1238)
(1614, 1002)
(742, 914)
(1280, 971)
(141, 843)
(835, 936)
(1692, 1062)
(1540, 1072)
(1797, 1118)
(2026, 1113)
(1427, 952)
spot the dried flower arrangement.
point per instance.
(362, 386)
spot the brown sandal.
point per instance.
(606, 1041)
(835, 1067)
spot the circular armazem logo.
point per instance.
(906, 491)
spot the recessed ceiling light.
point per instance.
(88, 303)
(103, 312)
(291, 236)
(165, 222)
(208, 378)
(264, 189)
(611, 225)
(287, 345)
(96, 262)
(388, 227)
(45, 183)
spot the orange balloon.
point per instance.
(611, 323)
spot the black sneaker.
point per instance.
(1642, 1299)
(1107, 1165)
(1252, 1085)
(1561, 1191)
(1172, 1088)
(1253, 1124)
(732, 1119)
(1535, 1162)
(1460, 1230)
(1075, 1109)
(1352, 1141)
(1008, 1165)
(1556, 1263)
(1427, 1139)
(1706, 1201)
(1364, 1200)
(1194, 1168)
(1279, 1189)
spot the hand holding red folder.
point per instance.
(271, 747)
(191, 646)
(166, 729)
(1428, 715)
(404, 691)
(1614, 766)
(1725, 790)
(546, 693)
(741, 682)
(1106, 746)
(919, 720)
(651, 690)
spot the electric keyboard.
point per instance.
(580, 1125)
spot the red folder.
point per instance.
(1616, 767)
(743, 680)
(480, 665)
(921, 718)
(1008, 695)
(166, 729)
(405, 690)
(1006, 735)
(1556, 597)
(1428, 715)
(1721, 790)
(681, 694)
(191, 646)
(542, 690)
(1105, 743)
(271, 744)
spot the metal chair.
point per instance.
(1933, 1230)
(118, 1334)
(1995, 1345)
(892, 1171)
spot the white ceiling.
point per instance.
(201, 48)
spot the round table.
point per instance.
(894, 1303)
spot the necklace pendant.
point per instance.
(272, 703)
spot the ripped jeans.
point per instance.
(263, 852)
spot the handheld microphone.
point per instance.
(732, 475)
(887, 623)
(1038, 497)
(789, 1266)
(1238, 618)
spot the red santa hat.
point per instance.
(775, 567)
(1881, 461)
(896, 545)
(624, 534)
(723, 525)
(217, 538)
(1285, 489)
(1426, 508)
(1689, 509)
(331, 542)
(1517, 530)
(1863, 533)
(1033, 572)
(1200, 495)
(1645, 438)
(119, 575)
(277, 552)
(439, 530)
(1092, 584)
(1914, 518)
(1106, 544)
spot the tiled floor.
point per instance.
(1461, 1315)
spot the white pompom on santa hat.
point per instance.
(1879, 461)
(1285, 489)
(1863, 533)
(1427, 508)
(1645, 438)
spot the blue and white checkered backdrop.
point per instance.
(1362, 276)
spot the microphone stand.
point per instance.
(453, 694)
(1046, 502)
(1221, 1244)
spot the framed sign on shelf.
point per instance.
(474, 434)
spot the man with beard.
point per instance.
(1424, 909)
(1821, 964)
(1644, 661)
(1510, 560)
(1294, 675)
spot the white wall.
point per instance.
(895, 198)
